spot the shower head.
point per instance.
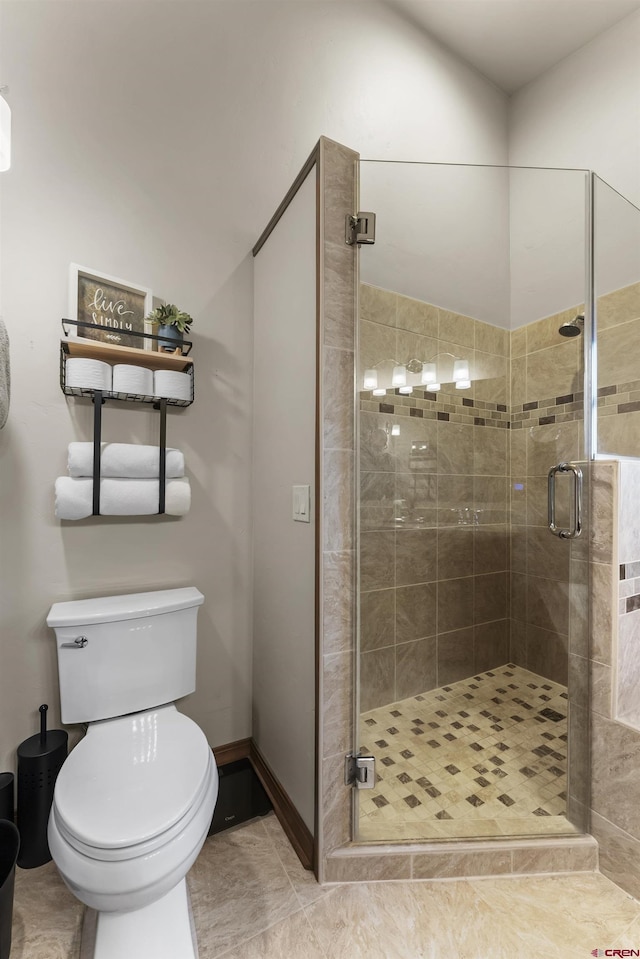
(572, 327)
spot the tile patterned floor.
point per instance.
(489, 750)
(253, 900)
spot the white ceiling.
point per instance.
(513, 41)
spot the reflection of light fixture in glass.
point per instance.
(5, 132)
(461, 374)
(399, 377)
(395, 429)
(370, 380)
(429, 377)
(379, 392)
(405, 390)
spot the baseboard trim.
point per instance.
(290, 819)
(232, 752)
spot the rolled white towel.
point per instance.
(120, 497)
(126, 460)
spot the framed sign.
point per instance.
(113, 308)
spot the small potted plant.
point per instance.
(172, 323)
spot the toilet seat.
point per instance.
(132, 784)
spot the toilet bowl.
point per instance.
(134, 800)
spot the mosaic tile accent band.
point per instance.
(624, 398)
(629, 589)
(490, 746)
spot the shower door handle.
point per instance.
(576, 529)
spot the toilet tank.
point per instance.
(140, 652)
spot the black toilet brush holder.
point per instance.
(40, 759)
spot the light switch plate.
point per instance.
(302, 504)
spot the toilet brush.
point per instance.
(40, 759)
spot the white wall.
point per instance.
(153, 141)
(284, 454)
(585, 112)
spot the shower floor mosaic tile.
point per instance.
(483, 756)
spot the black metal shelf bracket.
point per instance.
(98, 401)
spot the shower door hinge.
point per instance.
(359, 771)
(360, 228)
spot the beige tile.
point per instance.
(338, 532)
(559, 915)
(601, 679)
(604, 584)
(338, 399)
(604, 496)
(377, 619)
(518, 452)
(455, 447)
(415, 612)
(335, 804)
(544, 333)
(490, 645)
(548, 604)
(339, 186)
(614, 765)
(376, 453)
(417, 317)
(416, 556)
(491, 339)
(455, 552)
(237, 874)
(408, 920)
(553, 372)
(547, 654)
(336, 710)
(617, 307)
(518, 389)
(455, 655)
(377, 678)
(339, 296)
(415, 667)
(455, 501)
(338, 600)
(490, 451)
(413, 346)
(370, 867)
(283, 940)
(490, 597)
(415, 449)
(454, 328)
(555, 857)
(377, 305)
(47, 918)
(619, 435)
(490, 549)
(490, 378)
(619, 855)
(455, 604)
(377, 560)
(452, 864)
(617, 348)
(305, 884)
(416, 500)
(377, 344)
(518, 342)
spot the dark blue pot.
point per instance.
(172, 333)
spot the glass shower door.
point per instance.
(468, 394)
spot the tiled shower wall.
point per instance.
(458, 570)
(619, 372)
(434, 504)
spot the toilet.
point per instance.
(134, 800)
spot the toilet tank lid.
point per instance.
(111, 609)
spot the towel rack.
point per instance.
(94, 349)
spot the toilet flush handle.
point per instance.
(78, 643)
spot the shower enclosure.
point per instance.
(474, 357)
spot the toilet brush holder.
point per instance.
(40, 759)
